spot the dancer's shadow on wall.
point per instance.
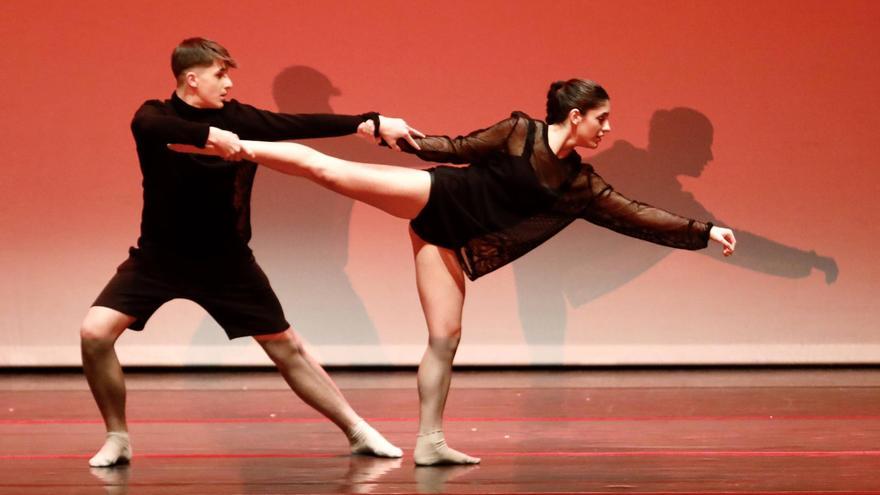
(585, 262)
(304, 228)
(301, 230)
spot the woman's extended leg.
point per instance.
(399, 191)
(440, 282)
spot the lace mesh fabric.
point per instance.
(490, 252)
(612, 210)
(525, 206)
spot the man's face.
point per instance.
(210, 84)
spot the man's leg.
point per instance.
(312, 384)
(100, 329)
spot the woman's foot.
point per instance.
(431, 450)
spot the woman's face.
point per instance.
(592, 125)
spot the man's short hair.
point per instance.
(198, 52)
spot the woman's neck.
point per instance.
(560, 139)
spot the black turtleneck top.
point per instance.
(198, 207)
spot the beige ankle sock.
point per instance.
(431, 449)
(116, 450)
(365, 440)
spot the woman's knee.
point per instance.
(322, 168)
(446, 340)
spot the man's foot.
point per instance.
(365, 440)
(116, 450)
(431, 450)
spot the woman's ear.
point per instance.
(575, 116)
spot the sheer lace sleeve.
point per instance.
(612, 210)
(466, 149)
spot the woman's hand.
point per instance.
(226, 143)
(367, 130)
(391, 129)
(724, 237)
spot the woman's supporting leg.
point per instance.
(315, 387)
(440, 282)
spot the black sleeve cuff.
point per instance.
(374, 116)
(705, 236)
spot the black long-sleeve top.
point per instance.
(199, 206)
(517, 193)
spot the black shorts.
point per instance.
(234, 291)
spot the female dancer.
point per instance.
(524, 184)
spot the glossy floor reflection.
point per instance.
(649, 431)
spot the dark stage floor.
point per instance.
(630, 431)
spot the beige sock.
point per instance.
(365, 440)
(431, 449)
(116, 450)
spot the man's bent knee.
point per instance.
(102, 326)
(281, 345)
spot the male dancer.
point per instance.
(195, 229)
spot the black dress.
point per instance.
(517, 193)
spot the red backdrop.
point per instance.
(762, 117)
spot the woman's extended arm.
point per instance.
(465, 149)
(613, 210)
